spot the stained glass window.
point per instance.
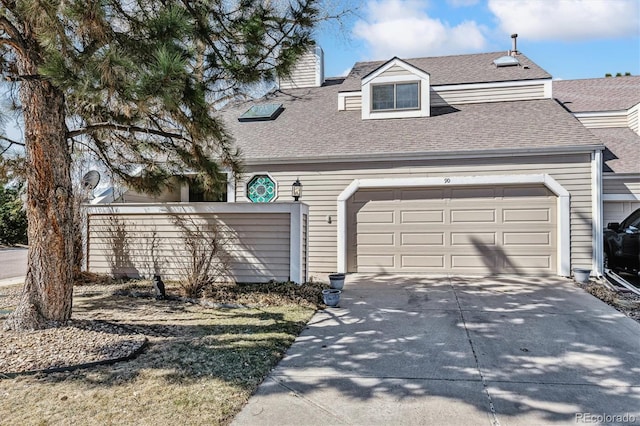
(261, 189)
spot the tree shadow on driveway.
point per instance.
(530, 350)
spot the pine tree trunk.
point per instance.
(47, 295)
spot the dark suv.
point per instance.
(622, 244)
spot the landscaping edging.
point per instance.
(74, 367)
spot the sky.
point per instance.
(570, 39)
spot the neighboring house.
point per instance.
(463, 164)
(610, 107)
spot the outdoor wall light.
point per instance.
(296, 190)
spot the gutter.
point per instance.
(442, 155)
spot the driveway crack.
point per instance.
(309, 401)
(494, 416)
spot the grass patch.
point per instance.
(200, 367)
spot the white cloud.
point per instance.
(568, 19)
(402, 28)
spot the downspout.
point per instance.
(596, 205)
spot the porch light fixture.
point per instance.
(296, 190)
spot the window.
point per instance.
(197, 193)
(395, 96)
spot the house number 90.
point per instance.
(447, 180)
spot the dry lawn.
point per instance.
(200, 367)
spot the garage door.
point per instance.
(470, 230)
(617, 211)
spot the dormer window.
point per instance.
(396, 89)
(395, 96)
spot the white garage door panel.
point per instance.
(377, 261)
(480, 231)
(473, 216)
(527, 238)
(524, 261)
(376, 217)
(472, 262)
(421, 216)
(419, 262)
(470, 238)
(526, 215)
(422, 239)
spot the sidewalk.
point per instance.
(5, 282)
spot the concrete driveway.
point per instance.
(457, 351)
(13, 264)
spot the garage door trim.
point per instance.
(564, 232)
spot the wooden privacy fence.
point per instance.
(245, 242)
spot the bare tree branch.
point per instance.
(124, 128)
(10, 42)
(13, 33)
(11, 143)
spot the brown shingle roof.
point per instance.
(623, 149)
(598, 94)
(457, 69)
(312, 128)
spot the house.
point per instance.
(609, 108)
(465, 164)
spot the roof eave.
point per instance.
(575, 149)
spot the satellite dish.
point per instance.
(89, 182)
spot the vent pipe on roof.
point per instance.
(514, 50)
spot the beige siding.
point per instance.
(255, 245)
(604, 121)
(323, 183)
(305, 72)
(353, 103)
(495, 94)
(633, 120)
(394, 71)
(468, 96)
(622, 185)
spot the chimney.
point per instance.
(308, 71)
(514, 50)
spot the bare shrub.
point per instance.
(118, 254)
(205, 260)
(152, 259)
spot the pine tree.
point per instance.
(134, 82)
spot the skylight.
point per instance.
(506, 61)
(264, 112)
